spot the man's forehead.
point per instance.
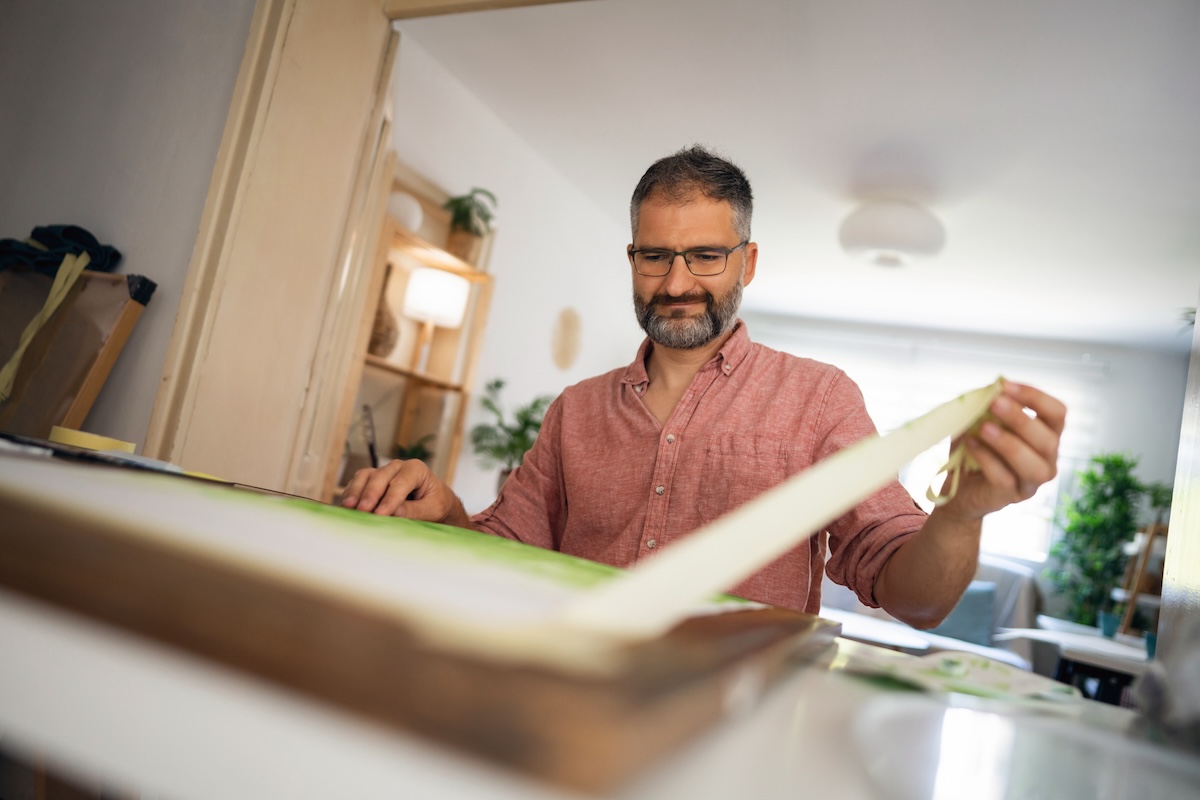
(696, 209)
(679, 196)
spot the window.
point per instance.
(904, 376)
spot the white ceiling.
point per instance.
(1057, 140)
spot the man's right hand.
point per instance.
(405, 489)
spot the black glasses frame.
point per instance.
(686, 259)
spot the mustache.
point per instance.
(668, 300)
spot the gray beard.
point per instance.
(690, 333)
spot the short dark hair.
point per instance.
(692, 170)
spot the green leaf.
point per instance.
(505, 442)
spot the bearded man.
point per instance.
(704, 419)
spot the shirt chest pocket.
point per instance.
(738, 468)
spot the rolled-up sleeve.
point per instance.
(532, 505)
(862, 540)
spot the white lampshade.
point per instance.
(892, 233)
(437, 297)
(406, 209)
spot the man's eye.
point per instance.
(653, 257)
(707, 256)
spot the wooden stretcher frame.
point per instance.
(586, 731)
(48, 342)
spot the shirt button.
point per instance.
(637, 389)
(659, 489)
(728, 367)
(670, 438)
(650, 545)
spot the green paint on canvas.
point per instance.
(558, 567)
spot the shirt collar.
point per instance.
(735, 349)
(635, 373)
(731, 354)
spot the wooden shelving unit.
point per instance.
(410, 405)
(405, 372)
(1141, 586)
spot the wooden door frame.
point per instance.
(276, 183)
(184, 427)
(235, 160)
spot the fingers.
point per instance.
(405, 489)
(354, 490)
(998, 474)
(1050, 410)
(383, 490)
(1021, 452)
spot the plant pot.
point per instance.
(465, 245)
(1109, 622)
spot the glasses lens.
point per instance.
(653, 262)
(706, 262)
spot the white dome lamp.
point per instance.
(407, 210)
(892, 233)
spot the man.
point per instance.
(703, 420)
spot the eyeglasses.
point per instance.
(702, 261)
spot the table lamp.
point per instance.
(435, 298)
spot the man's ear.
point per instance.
(751, 251)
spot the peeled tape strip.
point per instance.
(960, 461)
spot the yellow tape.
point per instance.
(89, 441)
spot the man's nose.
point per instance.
(679, 279)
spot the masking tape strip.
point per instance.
(960, 461)
(64, 279)
(660, 592)
(89, 441)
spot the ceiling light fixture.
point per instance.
(891, 233)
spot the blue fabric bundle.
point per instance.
(46, 247)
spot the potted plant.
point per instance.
(1096, 525)
(470, 220)
(418, 449)
(505, 442)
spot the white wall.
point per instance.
(553, 246)
(1142, 409)
(113, 114)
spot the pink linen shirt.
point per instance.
(607, 482)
